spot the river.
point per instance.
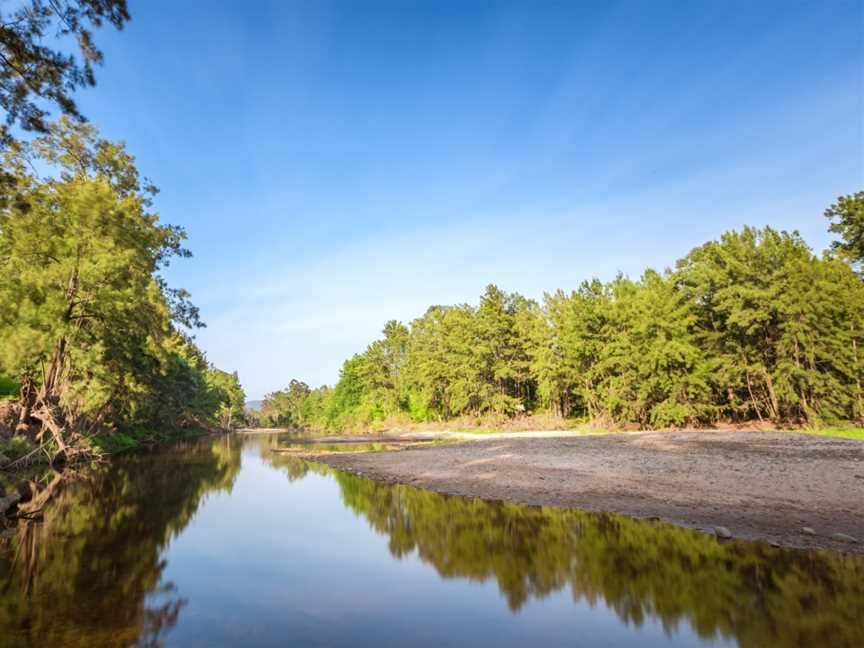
(223, 543)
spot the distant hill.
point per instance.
(254, 405)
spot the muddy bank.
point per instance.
(766, 486)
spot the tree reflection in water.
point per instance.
(92, 573)
(751, 592)
(89, 573)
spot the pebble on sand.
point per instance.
(722, 532)
(842, 537)
(808, 531)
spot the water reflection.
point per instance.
(90, 572)
(95, 570)
(749, 592)
(304, 446)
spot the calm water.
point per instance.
(224, 544)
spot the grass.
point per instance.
(847, 431)
(840, 432)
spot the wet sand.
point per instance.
(759, 486)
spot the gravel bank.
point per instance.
(766, 486)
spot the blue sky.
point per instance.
(339, 164)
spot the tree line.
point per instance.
(95, 347)
(91, 332)
(751, 327)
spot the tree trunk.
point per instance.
(752, 397)
(57, 358)
(26, 404)
(803, 389)
(769, 385)
(860, 406)
(46, 416)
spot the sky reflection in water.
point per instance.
(224, 543)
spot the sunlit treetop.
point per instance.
(35, 72)
(847, 221)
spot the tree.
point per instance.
(782, 326)
(347, 394)
(285, 408)
(500, 353)
(86, 322)
(228, 394)
(752, 326)
(650, 369)
(380, 372)
(847, 216)
(443, 380)
(32, 73)
(566, 366)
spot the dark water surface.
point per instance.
(222, 543)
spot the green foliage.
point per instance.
(847, 220)
(624, 352)
(85, 317)
(188, 392)
(838, 432)
(782, 327)
(227, 396)
(31, 73)
(9, 387)
(298, 406)
(115, 443)
(752, 327)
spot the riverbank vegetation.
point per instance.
(94, 337)
(95, 347)
(751, 328)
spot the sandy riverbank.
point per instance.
(766, 486)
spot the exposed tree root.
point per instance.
(43, 421)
